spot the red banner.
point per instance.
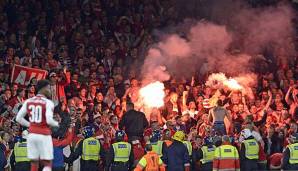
(22, 75)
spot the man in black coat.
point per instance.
(133, 122)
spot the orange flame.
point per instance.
(153, 94)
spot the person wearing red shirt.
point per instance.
(57, 85)
(138, 150)
(19, 98)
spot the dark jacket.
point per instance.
(20, 166)
(64, 125)
(85, 164)
(285, 161)
(176, 156)
(72, 90)
(120, 90)
(245, 163)
(197, 155)
(3, 160)
(111, 155)
(276, 145)
(134, 123)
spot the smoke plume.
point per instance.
(226, 41)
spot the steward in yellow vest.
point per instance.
(90, 150)
(226, 156)
(18, 159)
(120, 156)
(188, 145)
(290, 154)
(156, 143)
(249, 152)
(205, 155)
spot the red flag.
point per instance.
(22, 75)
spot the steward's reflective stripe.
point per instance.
(293, 148)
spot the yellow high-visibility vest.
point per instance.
(293, 153)
(226, 152)
(208, 154)
(122, 151)
(20, 152)
(251, 149)
(91, 149)
(188, 146)
(157, 147)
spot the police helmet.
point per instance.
(119, 135)
(208, 141)
(156, 135)
(17, 138)
(88, 131)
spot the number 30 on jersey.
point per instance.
(35, 113)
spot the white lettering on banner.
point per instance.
(21, 78)
(33, 74)
(23, 75)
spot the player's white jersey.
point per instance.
(40, 111)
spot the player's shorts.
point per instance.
(39, 147)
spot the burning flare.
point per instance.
(153, 94)
(232, 84)
(217, 80)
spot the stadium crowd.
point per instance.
(93, 50)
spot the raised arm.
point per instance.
(210, 117)
(192, 81)
(269, 101)
(20, 118)
(126, 93)
(184, 97)
(288, 95)
(66, 77)
(244, 104)
(294, 95)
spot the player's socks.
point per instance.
(47, 168)
(34, 167)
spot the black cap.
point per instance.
(41, 84)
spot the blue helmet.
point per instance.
(88, 131)
(208, 141)
(17, 138)
(119, 135)
(156, 135)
